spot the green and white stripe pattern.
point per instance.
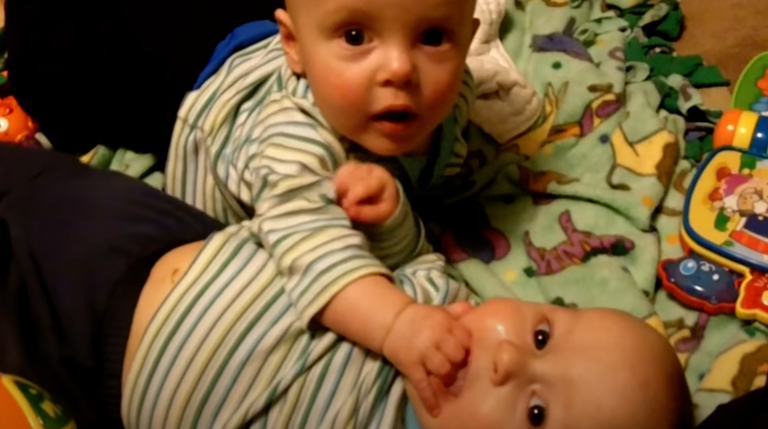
(229, 349)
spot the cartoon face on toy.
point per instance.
(747, 201)
(740, 194)
(15, 125)
(702, 280)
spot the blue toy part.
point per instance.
(759, 142)
(761, 106)
(700, 284)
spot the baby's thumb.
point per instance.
(341, 186)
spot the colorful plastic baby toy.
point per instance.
(16, 127)
(725, 217)
(24, 405)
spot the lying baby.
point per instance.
(210, 354)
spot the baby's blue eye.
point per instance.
(354, 37)
(433, 37)
(536, 415)
(688, 267)
(541, 336)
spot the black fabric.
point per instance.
(76, 247)
(114, 73)
(746, 412)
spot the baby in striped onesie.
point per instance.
(258, 143)
(322, 305)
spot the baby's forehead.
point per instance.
(306, 5)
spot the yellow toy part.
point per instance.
(24, 405)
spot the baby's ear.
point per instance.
(289, 40)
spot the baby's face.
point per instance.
(533, 365)
(384, 73)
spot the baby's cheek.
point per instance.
(346, 93)
(342, 103)
(442, 92)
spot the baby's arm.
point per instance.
(368, 307)
(325, 266)
(427, 355)
(288, 172)
(425, 342)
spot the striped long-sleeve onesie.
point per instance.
(251, 149)
(228, 349)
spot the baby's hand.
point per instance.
(425, 343)
(366, 192)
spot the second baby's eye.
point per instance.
(354, 37)
(541, 336)
(537, 414)
(433, 37)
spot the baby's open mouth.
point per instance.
(458, 384)
(396, 116)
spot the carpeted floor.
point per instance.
(727, 34)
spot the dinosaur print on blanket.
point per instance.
(577, 248)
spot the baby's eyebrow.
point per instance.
(445, 18)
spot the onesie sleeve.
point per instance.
(429, 279)
(400, 239)
(289, 168)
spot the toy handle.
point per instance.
(743, 129)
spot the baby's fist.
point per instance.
(367, 192)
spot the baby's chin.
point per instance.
(392, 150)
(382, 146)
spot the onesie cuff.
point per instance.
(398, 219)
(400, 238)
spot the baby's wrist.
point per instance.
(398, 313)
(402, 209)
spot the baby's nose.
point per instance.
(509, 362)
(399, 69)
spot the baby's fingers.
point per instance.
(363, 192)
(461, 334)
(453, 350)
(423, 386)
(437, 364)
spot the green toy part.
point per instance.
(746, 92)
